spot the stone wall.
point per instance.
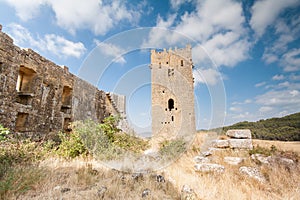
(38, 97)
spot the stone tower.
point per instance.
(172, 88)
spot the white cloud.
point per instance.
(111, 50)
(291, 60)
(265, 13)
(260, 84)
(206, 76)
(217, 25)
(99, 16)
(177, 3)
(294, 77)
(61, 46)
(26, 9)
(280, 98)
(52, 43)
(278, 77)
(265, 109)
(235, 109)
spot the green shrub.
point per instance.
(130, 143)
(4, 132)
(71, 145)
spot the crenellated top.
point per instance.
(172, 57)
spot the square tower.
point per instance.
(172, 88)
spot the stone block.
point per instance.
(233, 160)
(252, 172)
(220, 144)
(209, 167)
(239, 133)
(240, 143)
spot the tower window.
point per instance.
(172, 118)
(181, 62)
(170, 104)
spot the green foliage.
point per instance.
(172, 148)
(109, 127)
(264, 151)
(71, 145)
(286, 128)
(105, 141)
(4, 132)
(130, 143)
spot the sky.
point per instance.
(246, 53)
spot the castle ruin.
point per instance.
(172, 88)
(38, 97)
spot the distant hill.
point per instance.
(285, 128)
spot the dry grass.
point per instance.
(281, 145)
(88, 179)
(282, 182)
(74, 180)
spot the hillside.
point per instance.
(285, 128)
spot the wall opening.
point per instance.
(170, 104)
(181, 62)
(66, 100)
(25, 80)
(21, 122)
(172, 118)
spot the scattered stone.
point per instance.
(240, 143)
(233, 160)
(261, 158)
(286, 161)
(201, 159)
(220, 144)
(160, 178)
(57, 188)
(206, 153)
(101, 191)
(209, 167)
(187, 193)
(137, 176)
(239, 133)
(64, 190)
(146, 193)
(253, 173)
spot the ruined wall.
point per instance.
(172, 93)
(38, 97)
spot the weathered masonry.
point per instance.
(172, 93)
(38, 97)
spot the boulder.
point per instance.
(101, 191)
(261, 158)
(201, 159)
(240, 143)
(239, 133)
(209, 167)
(233, 160)
(187, 193)
(220, 144)
(146, 193)
(253, 173)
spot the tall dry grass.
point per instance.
(283, 182)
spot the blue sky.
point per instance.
(246, 53)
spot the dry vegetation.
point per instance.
(283, 182)
(28, 171)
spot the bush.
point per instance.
(172, 148)
(4, 132)
(71, 145)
